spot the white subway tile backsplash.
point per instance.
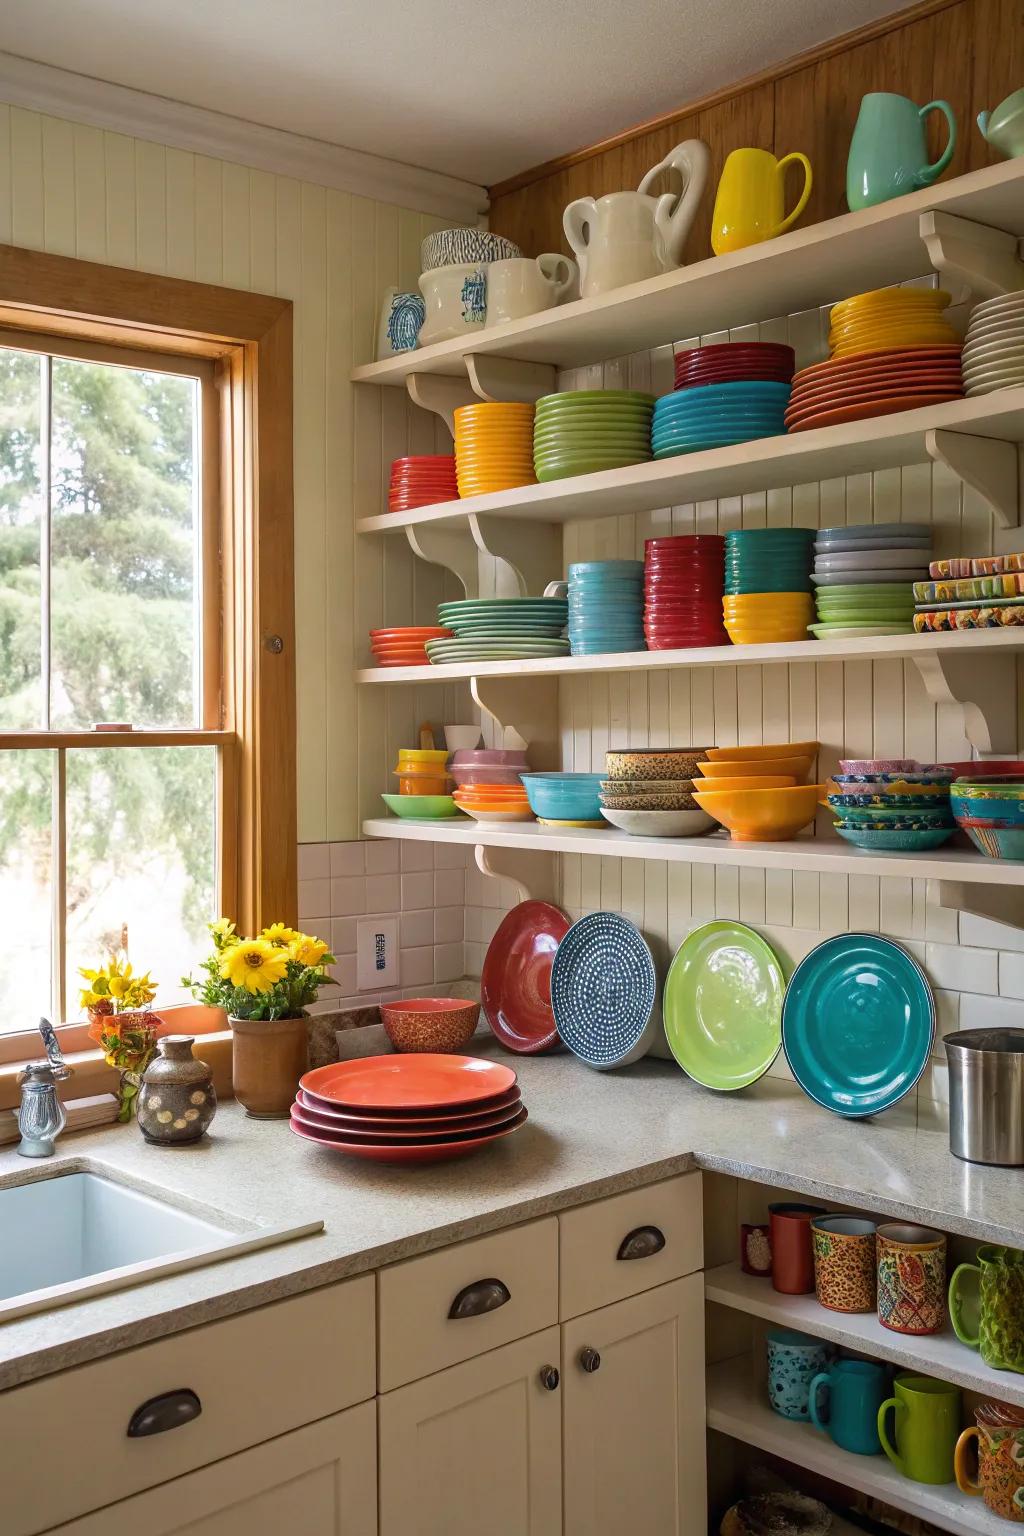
(450, 856)
(961, 969)
(1011, 975)
(382, 857)
(990, 1012)
(449, 887)
(417, 891)
(348, 896)
(314, 899)
(449, 963)
(417, 856)
(987, 934)
(348, 859)
(383, 893)
(449, 923)
(314, 861)
(416, 928)
(343, 935)
(344, 973)
(416, 967)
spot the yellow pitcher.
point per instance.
(750, 200)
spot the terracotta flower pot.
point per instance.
(268, 1056)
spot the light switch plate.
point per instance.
(377, 954)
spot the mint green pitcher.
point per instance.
(988, 1313)
(888, 152)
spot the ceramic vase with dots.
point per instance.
(177, 1099)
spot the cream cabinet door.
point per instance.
(317, 1481)
(475, 1448)
(633, 1415)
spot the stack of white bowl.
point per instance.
(993, 355)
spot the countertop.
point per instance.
(589, 1134)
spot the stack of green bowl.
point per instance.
(581, 431)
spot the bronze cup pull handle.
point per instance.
(641, 1243)
(168, 1411)
(480, 1297)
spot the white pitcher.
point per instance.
(626, 237)
(522, 285)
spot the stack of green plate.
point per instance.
(501, 629)
(581, 431)
(852, 612)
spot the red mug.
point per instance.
(792, 1254)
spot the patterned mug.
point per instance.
(844, 1262)
(999, 1434)
(794, 1359)
(911, 1278)
(988, 1314)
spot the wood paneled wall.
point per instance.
(969, 52)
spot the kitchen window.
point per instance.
(146, 674)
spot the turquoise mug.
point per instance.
(888, 152)
(854, 1390)
(794, 1359)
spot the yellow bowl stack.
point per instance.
(890, 319)
(493, 447)
(759, 618)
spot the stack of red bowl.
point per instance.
(733, 362)
(404, 647)
(684, 578)
(420, 479)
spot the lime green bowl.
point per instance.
(423, 807)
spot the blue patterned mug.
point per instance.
(794, 1359)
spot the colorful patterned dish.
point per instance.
(723, 1006)
(603, 991)
(995, 842)
(515, 985)
(858, 1023)
(995, 617)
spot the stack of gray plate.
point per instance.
(863, 578)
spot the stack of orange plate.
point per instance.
(493, 447)
(404, 647)
(494, 802)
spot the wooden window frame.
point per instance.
(247, 338)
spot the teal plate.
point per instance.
(896, 842)
(858, 1024)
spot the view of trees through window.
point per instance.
(100, 621)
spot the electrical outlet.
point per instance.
(377, 954)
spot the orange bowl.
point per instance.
(747, 781)
(774, 751)
(796, 768)
(443, 1024)
(762, 815)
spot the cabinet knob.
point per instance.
(590, 1360)
(168, 1411)
(641, 1243)
(549, 1378)
(480, 1297)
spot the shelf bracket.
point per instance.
(983, 690)
(451, 547)
(440, 394)
(533, 550)
(988, 465)
(531, 870)
(526, 712)
(984, 259)
(1000, 903)
(506, 378)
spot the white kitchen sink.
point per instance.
(70, 1235)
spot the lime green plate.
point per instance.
(424, 807)
(723, 1006)
(575, 396)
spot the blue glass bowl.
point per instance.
(564, 796)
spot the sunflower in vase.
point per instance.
(117, 1004)
(273, 976)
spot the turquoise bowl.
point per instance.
(564, 796)
(998, 812)
(997, 842)
(899, 842)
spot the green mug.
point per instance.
(988, 1312)
(927, 1427)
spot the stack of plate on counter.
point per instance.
(501, 629)
(892, 807)
(994, 348)
(581, 431)
(419, 1108)
(983, 593)
(864, 577)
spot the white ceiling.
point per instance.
(479, 89)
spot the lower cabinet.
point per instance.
(633, 1415)
(476, 1447)
(317, 1481)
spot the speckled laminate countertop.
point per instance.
(589, 1135)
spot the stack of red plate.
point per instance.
(420, 479)
(408, 1109)
(734, 361)
(873, 384)
(683, 582)
(404, 647)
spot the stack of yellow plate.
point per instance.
(493, 447)
(890, 319)
(759, 618)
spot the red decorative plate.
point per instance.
(418, 1082)
(353, 1128)
(504, 1103)
(408, 1152)
(869, 408)
(515, 988)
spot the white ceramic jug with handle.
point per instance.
(525, 285)
(626, 237)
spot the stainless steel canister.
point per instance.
(986, 1095)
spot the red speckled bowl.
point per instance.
(443, 1024)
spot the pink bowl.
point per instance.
(488, 757)
(485, 775)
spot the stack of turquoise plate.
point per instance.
(606, 606)
(768, 560)
(501, 629)
(581, 431)
(864, 578)
(717, 415)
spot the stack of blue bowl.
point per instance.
(718, 415)
(565, 799)
(606, 606)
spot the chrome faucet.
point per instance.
(41, 1115)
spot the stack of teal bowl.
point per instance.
(565, 799)
(864, 577)
(606, 606)
(718, 415)
(580, 431)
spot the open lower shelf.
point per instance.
(985, 642)
(767, 463)
(807, 267)
(736, 1406)
(821, 854)
(938, 1354)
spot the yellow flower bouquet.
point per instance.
(116, 1002)
(275, 975)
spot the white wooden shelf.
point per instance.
(967, 643)
(819, 264)
(767, 463)
(736, 1405)
(822, 854)
(938, 1354)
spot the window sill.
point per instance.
(91, 1075)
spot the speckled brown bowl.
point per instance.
(655, 763)
(648, 786)
(681, 802)
(444, 1024)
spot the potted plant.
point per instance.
(264, 985)
(117, 1005)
